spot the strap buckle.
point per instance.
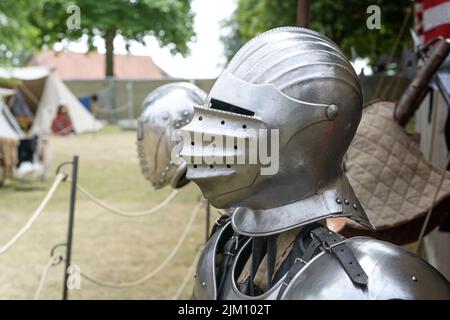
(300, 260)
(235, 237)
(326, 246)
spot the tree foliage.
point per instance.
(18, 36)
(169, 21)
(342, 21)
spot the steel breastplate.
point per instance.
(205, 287)
(393, 273)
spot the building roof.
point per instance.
(91, 66)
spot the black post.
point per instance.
(208, 215)
(73, 193)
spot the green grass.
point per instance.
(112, 248)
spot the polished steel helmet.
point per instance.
(297, 84)
(163, 112)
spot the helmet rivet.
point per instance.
(413, 278)
(338, 200)
(354, 206)
(195, 275)
(346, 202)
(203, 283)
(332, 112)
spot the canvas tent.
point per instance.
(43, 91)
(10, 134)
(9, 129)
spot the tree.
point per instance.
(17, 35)
(342, 21)
(169, 21)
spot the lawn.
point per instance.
(113, 248)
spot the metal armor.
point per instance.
(275, 244)
(392, 272)
(278, 81)
(163, 112)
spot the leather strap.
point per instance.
(271, 258)
(333, 243)
(223, 220)
(326, 240)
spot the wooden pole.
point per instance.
(411, 99)
(303, 13)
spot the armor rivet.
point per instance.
(332, 112)
(414, 278)
(354, 206)
(200, 118)
(195, 275)
(186, 113)
(163, 174)
(203, 283)
(346, 202)
(338, 200)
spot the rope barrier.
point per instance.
(119, 212)
(59, 177)
(187, 277)
(54, 260)
(157, 269)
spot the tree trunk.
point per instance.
(109, 41)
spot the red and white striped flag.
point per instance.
(432, 18)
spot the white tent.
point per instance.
(9, 129)
(45, 92)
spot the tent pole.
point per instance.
(130, 100)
